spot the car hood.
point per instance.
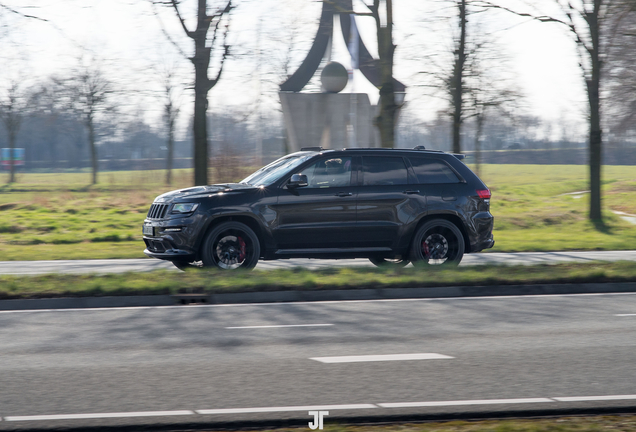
(202, 191)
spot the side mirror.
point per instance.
(297, 181)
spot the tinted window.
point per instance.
(335, 172)
(384, 171)
(433, 171)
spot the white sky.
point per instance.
(127, 38)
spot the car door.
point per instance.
(386, 201)
(322, 214)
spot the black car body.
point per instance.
(388, 205)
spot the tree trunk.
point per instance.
(596, 141)
(480, 128)
(200, 133)
(457, 85)
(170, 150)
(201, 61)
(91, 140)
(12, 135)
(388, 109)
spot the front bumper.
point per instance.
(172, 239)
(171, 255)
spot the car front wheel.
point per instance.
(437, 242)
(229, 246)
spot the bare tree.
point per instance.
(621, 75)
(87, 92)
(456, 81)
(171, 110)
(12, 112)
(206, 39)
(592, 24)
(490, 92)
(473, 76)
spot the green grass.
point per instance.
(172, 282)
(60, 216)
(625, 423)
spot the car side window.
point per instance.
(384, 171)
(328, 173)
(433, 171)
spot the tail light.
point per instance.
(483, 193)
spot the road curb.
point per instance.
(311, 296)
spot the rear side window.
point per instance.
(432, 171)
(384, 171)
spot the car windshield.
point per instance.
(277, 169)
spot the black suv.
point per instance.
(391, 206)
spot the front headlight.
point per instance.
(181, 208)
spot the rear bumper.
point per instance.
(487, 244)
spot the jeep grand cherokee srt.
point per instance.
(391, 206)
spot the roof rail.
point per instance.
(318, 149)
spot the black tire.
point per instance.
(386, 262)
(437, 242)
(230, 246)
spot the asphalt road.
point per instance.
(213, 364)
(125, 265)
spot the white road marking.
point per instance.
(285, 409)
(99, 415)
(124, 308)
(463, 402)
(280, 326)
(634, 314)
(256, 410)
(594, 398)
(376, 358)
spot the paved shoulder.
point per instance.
(146, 264)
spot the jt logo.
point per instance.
(317, 423)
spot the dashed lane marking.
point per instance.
(464, 402)
(378, 358)
(285, 409)
(99, 415)
(280, 326)
(594, 398)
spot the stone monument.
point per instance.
(332, 119)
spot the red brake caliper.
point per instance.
(242, 249)
(427, 253)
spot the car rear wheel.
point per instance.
(437, 242)
(229, 246)
(387, 262)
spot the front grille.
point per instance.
(158, 211)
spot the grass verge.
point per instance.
(197, 281)
(625, 423)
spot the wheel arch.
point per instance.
(249, 221)
(453, 218)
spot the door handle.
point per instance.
(411, 192)
(449, 198)
(344, 194)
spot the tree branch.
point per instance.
(175, 5)
(226, 53)
(22, 14)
